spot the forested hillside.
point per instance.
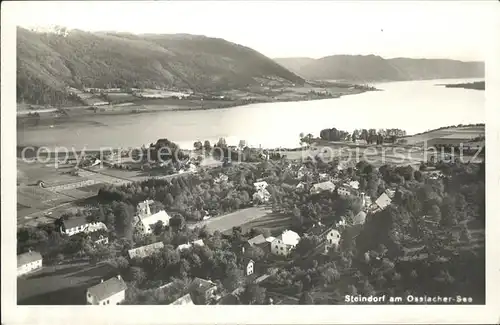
(48, 63)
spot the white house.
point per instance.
(109, 292)
(28, 262)
(259, 186)
(248, 264)
(75, 226)
(332, 239)
(383, 201)
(261, 193)
(284, 243)
(324, 177)
(329, 237)
(323, 187)
(354, 184)
(146, 250)
(198, 242)
(99, 237)
(222, 178)
(344, 190)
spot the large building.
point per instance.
(75, 226)
(28, 262)
(284, 243)
(146, 250)
(327, 186)
(145, 221)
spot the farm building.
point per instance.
(75, 226)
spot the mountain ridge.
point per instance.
(49, 63)
(372, 67)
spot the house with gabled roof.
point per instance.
(257, 241)
(382, 202)
(198, 242)
(146, 250)
(329, 236)
(109, 292)
(73, 226)
(284, 243)
(327, 186)
(28, 262)
(248, 265)
(204, 292)
(145, 221)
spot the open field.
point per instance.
(228, 221)
(60, 284)
(31, 172)
(467, 132)
(276, 223)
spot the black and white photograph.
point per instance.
(249, 153)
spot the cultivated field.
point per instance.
(235, 219)
(275, 223)
(459, 132)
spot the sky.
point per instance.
(420, 29)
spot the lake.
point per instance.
(414, 106)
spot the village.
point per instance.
(281, 215)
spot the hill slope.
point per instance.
(375, 68)
(48, 63)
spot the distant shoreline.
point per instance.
(476, 85)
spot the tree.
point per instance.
(253, 294)
(306, 245)
(137, 273)
(207, 146)
(59, 258)
(233, 279)
(222, 143)
(306, 299)
(177, 222)
(158, 228)
(198, 145)
(255, 253)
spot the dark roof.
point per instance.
(247, 260)
(260, 239)
(107, 288)
(318, 230)
(75, 222)
(28, 257)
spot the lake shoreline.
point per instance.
(266, 125)
(172, 105)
